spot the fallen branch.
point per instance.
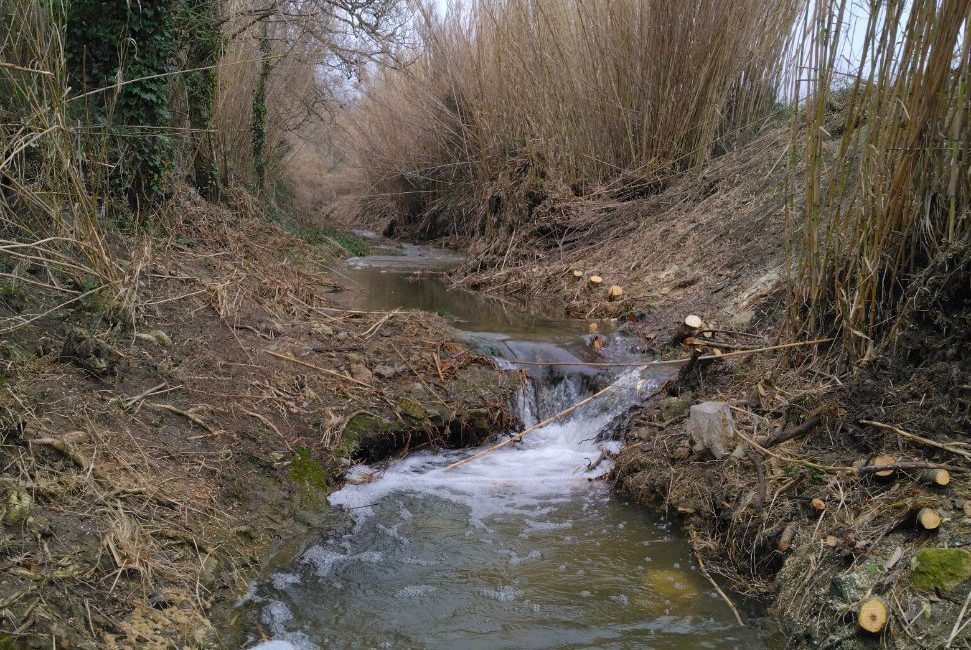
(326, 371)
(704, 572)
(843, 469)
(675, 362)
(924, 441)
(539, 425)
(782, 436)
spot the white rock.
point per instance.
(711, 428)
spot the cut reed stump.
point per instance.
(873, 615)
(928, 519)
(883, 461)
(785, 539)
(691, 325)
(938, 477)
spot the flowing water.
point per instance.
(518, 549)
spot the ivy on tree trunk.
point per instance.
(121, 52)
(258, 125)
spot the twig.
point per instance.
(734, 333)
(11, 66)
(128, 403)
(704, 572)
(925, 441)
(695, 342)
(326, 371)
(271, 426)
(419, 377)
(958, 626)
(371, 331)
(195, 419)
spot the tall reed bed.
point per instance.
(562, 97)
(896, 196)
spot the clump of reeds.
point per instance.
(561, 97)
(53, 173)
(896, 194)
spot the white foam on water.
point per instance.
(522, 478)
(283, 580)
(527, 480)
(274, 645)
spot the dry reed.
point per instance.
(896, 196)
(53, 173)
(513, 101)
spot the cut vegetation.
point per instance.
(773, 197)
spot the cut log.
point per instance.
(831, 541)
(939, 477)
(879, 461)
(818, 504)
(614, 292)
(785, 540)
(928, 519)
(596, 280)
(578, 274)
(873, 615)
(693, 323)
(592, 328)
(689, 328)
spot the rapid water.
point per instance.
(522, 548)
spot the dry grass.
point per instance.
(53, 175)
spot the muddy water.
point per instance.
(515, 550)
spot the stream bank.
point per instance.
(149, 467)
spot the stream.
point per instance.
(517, 549)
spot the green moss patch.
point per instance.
(941, 568)
(308, 472)
(363, 424)
(410, 407)
(348, 445)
